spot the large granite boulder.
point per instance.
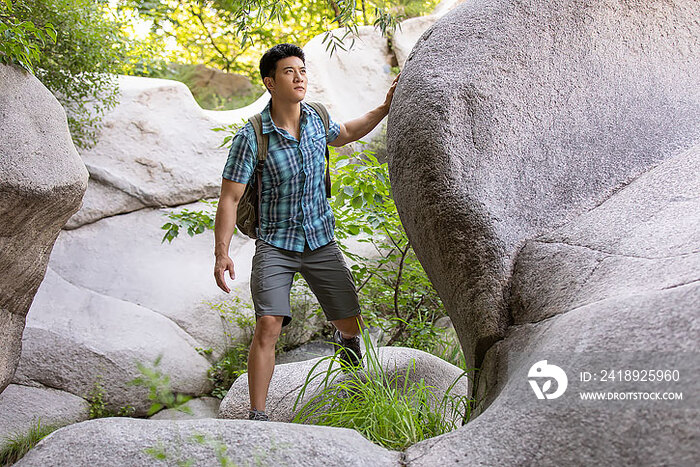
(22, 407)
(617, 288)
(122, 257)
(76, 338)
(405, 37)
(156, 148)
(126, 441)
(288, 380)
(115, 295)
(513, 117)
(42, 181)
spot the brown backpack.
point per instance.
(247, 214)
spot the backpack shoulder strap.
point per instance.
(262, 140)
(322, 112)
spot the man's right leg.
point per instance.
(261, 359)
(270, 281)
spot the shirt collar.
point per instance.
(268, 126)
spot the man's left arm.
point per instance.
(353, 130)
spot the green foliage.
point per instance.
(239, 326)
(79, 63)
(227, 369)
(390, 410)
(227, 34)
(159, 389)
(233, 34)
(195, 222)
(158, 452)
(98, 407)
(218, 446)
(395, 292)
(21, 41)
(386, 22)
(450, 350)
(18, 444)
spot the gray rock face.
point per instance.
(42, 181)
(125, 441)
(122, 258)
(513, 117)
(405, 38)
(288, 379)
(200, 407)
(22, 406)
(80, 336)
(308, 351)
(617, 288)
(644, 238)
(144, 158)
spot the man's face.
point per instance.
(290, 80)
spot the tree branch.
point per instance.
(402, 327)
(211, 39)
(398, 282)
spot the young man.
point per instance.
(296, 221)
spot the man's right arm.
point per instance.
(224, 225)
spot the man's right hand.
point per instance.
(223, 264)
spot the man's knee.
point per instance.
(267, 329)
(349, 327)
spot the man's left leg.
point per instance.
(349, 327)
(332, 282)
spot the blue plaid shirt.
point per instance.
(294, 208)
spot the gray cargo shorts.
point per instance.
(324, 269)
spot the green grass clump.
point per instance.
(391, 411)
(232, 364)
(18, 444)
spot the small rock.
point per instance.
(200, 407)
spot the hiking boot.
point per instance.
(257, 415)
(350, 352)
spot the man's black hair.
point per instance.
(268, 62)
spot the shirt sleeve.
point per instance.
(333, 130)
(241, 158)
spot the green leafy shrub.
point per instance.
(232, 364)
(239, 327)
(79, 65)
(18, 444)
(391, 411)
(196, 222)
(98, 407)
(21, 41)
(160, 392)
(395, 292)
